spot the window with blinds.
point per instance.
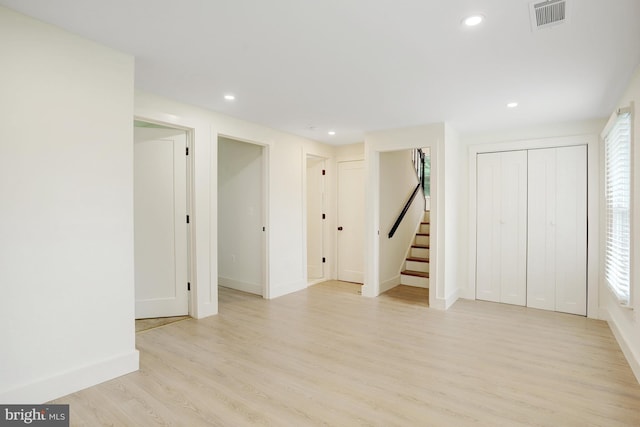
(617, 143)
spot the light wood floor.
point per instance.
(327, 356)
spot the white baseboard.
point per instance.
(632, 358)
(603, 314)
(65, 383)
(252, 288)
(204, 309)
(286, 289)
(389, 284)
(467, 293)
(445, 303)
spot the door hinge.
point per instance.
(324, 259)
(187, 151)
(324, 216)
(324, 172)
(188, 286)
(187, 219)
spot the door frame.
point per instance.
(422, 138)
(593, 170)
(266, 286)
(189, 134)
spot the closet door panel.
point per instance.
(557, 228)
(571, 230)
(488, 227)
(501, 227)
(541, 266)
(513, 228)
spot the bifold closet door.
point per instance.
(501, 260)
(557, 228)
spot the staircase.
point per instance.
(416, 266)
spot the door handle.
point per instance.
(339, 228)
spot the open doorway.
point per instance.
(161, 222)
(404, 242)
(384, 204)
(241, 216)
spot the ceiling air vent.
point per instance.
(548, 13)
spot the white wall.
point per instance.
(625, 322)
(455, 228)
(398, 179)
(285, 192)
(66, 236)
(350, 152)
(240, 212)
(547, 130)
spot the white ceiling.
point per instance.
(310, 66)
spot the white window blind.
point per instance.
(617, 145)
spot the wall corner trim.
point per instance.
(446, 303)
(389, 284)
(286, 289)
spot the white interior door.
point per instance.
(315, 221)
(501, 271)
(351, 221)
(557, 247)
(160, 235)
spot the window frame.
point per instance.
(624, 295)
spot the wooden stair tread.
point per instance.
(415, 273)
(417, 259)
(422, 234)
(420, 246)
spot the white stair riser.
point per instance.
(422, 240)
(427, 216)
(420, 252)
(424, 228)
(420, 282)
(417, 266)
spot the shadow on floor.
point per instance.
(146, 324)
(408, 295)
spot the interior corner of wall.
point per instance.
(389, 284)
(280, 291)
(439, 304)
(467, 293)
(452, 298)
(629, 351)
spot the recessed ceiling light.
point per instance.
(473, 20)
(512, 105)
(229, 97)
(331, 132)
